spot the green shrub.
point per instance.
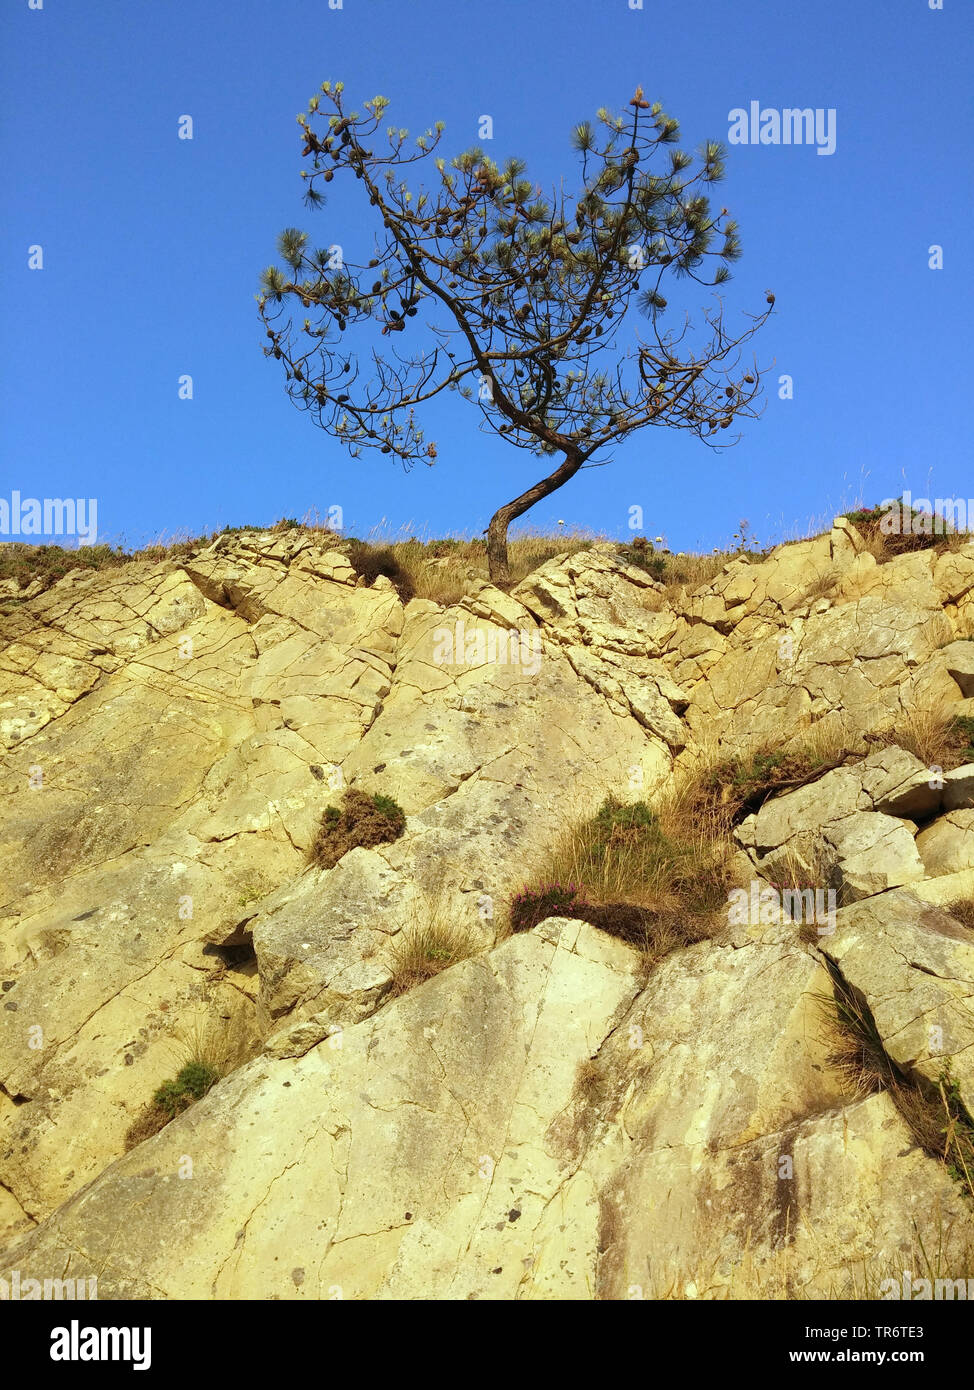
(736, 786)
(615, 817)
(191, 1083)
(361, 821)
(641, 554)
(625, 839)
(389, 807)
(49, 563)
(656, 879)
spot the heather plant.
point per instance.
(362, 820)
(532, 905)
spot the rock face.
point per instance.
(540, 1120)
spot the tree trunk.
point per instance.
(497, 565)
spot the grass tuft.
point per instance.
(656, 878)
(934, 734)
(208, 1048)
(935, 1115)
(433, 942)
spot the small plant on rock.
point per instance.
(895, 530)
(640, 553)
(934, 1112)
(650, 877)
(729, 789)
(934, 734)
(361, 821)
(532, 905)
(963, 729)
(434, 941)
(963, 911)
(170, 1099)
(370, 561)
(208, 1046)
(191, 1084)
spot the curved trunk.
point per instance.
(497, 565)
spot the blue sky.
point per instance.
(153, 245)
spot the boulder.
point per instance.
(913, 965)
(947, 846)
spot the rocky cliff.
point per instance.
(545, 1118)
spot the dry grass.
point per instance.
(149, 1121)
(885, 546)
(443, 570)
(433, 941)
(658, 877)
(934, 1115)
(875, 545)
(687, 572)
(803, 869)
(933, 734)
(963, 912)
(865, 1277)
(822, 585)
(221, 1041)
(717, 791)
(47, 564)
(212, 1043)
(679, 574)
(828, 742)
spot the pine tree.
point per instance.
(522, 297)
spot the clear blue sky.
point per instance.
(153, 246)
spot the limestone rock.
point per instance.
(947, 846)
(418, 1166)
(959, 658)
(544, 1118)
(913, 964)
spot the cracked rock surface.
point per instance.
(540, 1120)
